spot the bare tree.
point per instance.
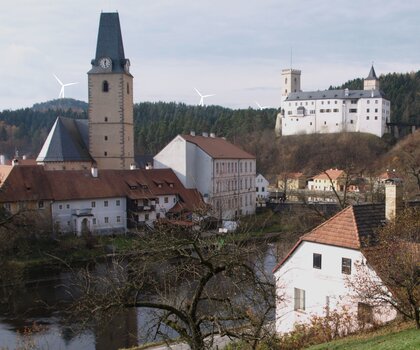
(395, 258)
(198, 287)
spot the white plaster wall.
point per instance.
(260, 183)
(338, 119)
(64, 215)
(200, 170)
(173, 156)
(298, 272)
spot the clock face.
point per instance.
(105, 62)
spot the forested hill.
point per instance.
(403, 90)
(155, 124)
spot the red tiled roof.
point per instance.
(218, 147)
(353, 227)
(332, 173)
(27, 183)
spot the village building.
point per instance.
(332, 111)
(96, 201)
(313, 276)
(221, 171)
(262, 192)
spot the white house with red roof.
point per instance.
(313, 278)
(221, 171)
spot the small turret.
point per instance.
(372, 81)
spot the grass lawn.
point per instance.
(387, 338)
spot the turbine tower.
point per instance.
(202, 97)
(61, 94)
(261, 107)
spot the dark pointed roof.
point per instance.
(66, 142)
(372, 74)
(110, 43)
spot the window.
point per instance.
(93, 204)
(335, 110)
(68, 206)
(353, 110)
(346, 266)
(6, 206)
(118, 203)
(106, 219)
(157, 216)
(68, 223)
(376, 118)
(157, 200)
(367, 118)
(94, 221)
(353, 102)
(106, 119)
(299, 299)
(325, 123)
(105, 86)
(118, 218)
(367, 110)
(317, 261)
(310, 123)
(105, 153)
(105, 203)
(128, 89)
(262, 189)
(146, 217)
(60, 206)
(217, 168)
(106, 138)
(166, 200)
(368, 101)
(351, 121)
(376, 110)
(364, 313)
(40, 205)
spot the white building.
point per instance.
(100, 202)
(332, 111)
(313, 277)
(222, 172)
(261, 188)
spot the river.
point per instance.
(28, 319)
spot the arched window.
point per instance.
(105, 86)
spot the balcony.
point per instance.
(141, 208)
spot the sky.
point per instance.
(234, 49)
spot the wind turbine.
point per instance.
(61, 94)
(202, 97)
(261, 107)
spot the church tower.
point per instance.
(372, 81)
(110, 85)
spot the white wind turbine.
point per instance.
(61, 94)
(261, 107)
(202, 97)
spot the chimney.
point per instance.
(393, 198)
(15, 162)
(94, 171)
(149, 166)
(132, 166)
(346, 92)
(212, 134)
(24, 157)
(205, 134)
(192, 133)
(2, 159)
(371, 93)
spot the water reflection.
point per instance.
(38, 307)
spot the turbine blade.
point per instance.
(59, 81)
(68, 84)
(209, 95)
(259, 106)
(198, 92)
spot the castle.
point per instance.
(332, 111)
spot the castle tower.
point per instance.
(110, 85)
(290, 82)
(372, 81)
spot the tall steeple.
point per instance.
(111, 137)
(372, 81)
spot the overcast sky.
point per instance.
(235, 49)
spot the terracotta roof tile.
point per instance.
(332, 173)
(218, 147)
(354, 227)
